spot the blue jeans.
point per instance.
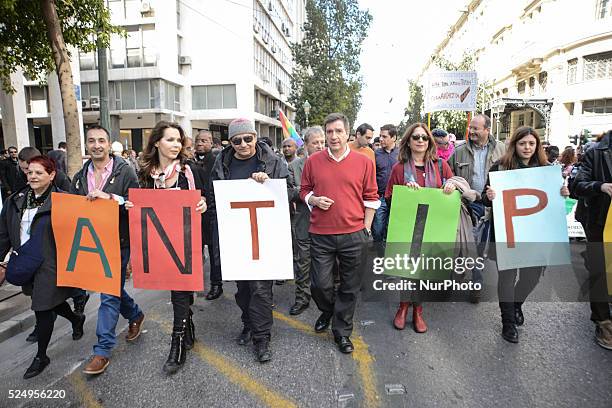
(381, 222)
(110, 308)
(478, 210)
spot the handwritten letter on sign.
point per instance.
(529, 217)
(254, 229)
(87, 243)
(166, 240)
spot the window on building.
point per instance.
(521, 119)
(124, 95)
(604, 9)
(532, 85)
(521, 87)
(173, 100)
(36, 99)
(597, 106)
(132, 9)
(88, 61)
(89, 90)
(598, 66)
(542, 80)
(117, 9)
(572, 71)
(214, 97)
(136, 50)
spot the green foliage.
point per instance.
(414, 112)
(326, 72)
(23, 34)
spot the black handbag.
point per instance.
(27, 259)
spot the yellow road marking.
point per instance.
(361, 355)
(235, 374)
(87, 397)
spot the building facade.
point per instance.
(549, 63)
(200, 64)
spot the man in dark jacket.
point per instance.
(59, 157)
(314, 140)
(594, 183)
(205, 159)
(109, 178)
(21, 179)
(247, 158)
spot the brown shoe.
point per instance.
(96, 365)
(135, 329)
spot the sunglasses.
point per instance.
(237, 141)
(416, 138)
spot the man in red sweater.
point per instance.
(339, 187)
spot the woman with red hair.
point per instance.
(27, 214)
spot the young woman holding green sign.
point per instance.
(418, 166)
(524, 150)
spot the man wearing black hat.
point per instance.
(245, 158)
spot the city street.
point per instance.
(461, 362)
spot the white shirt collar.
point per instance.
(346, 153)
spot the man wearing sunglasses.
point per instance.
(339, 186)
(244, 158)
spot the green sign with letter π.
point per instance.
(422, 224)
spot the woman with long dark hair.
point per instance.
(418, 166)
(525, 150)
(164, 166)
(25, 213)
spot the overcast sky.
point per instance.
(403, 34)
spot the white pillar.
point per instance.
(14, 122)
(58, 128)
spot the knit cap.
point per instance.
(240, 126)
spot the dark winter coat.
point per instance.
(596, 169)
(44, 290)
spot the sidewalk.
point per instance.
(15, 313)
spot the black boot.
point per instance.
(178, 353)
(77, 329)
(262, 350)
(79, 304)
(509, 333)
(518, 314)
(190, 332)
(33, 337)
(37, 367)
(215, 292)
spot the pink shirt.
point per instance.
(91, 179)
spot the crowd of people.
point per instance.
(340, 195)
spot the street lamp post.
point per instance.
(306, 107)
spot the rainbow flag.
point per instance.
(289, 130)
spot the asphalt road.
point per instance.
(460, 362)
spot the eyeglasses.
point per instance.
(416, 138)
(237, 141)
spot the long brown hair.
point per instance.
(510, 160)
(150, 156)
(405, 154)
(568, 157)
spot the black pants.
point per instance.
(255, 300)
(212, 240)
(181, 303)
(45, 321)
(302, 272)
(595, 264)
(348, 249)
(512, 291)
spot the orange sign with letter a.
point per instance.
(166, 240)
(87, 243)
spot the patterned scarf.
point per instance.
(431, 177)
(159, 178)
(35, 202)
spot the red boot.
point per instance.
(400, 317)
(417, 319)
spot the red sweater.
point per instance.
(349, 183)
(397, 176)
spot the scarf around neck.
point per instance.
(431, 178)
(159, 178)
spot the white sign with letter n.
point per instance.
(254, 229)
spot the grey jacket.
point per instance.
(301, 218)
(120, 181)
(44, 290)
(462, 160)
